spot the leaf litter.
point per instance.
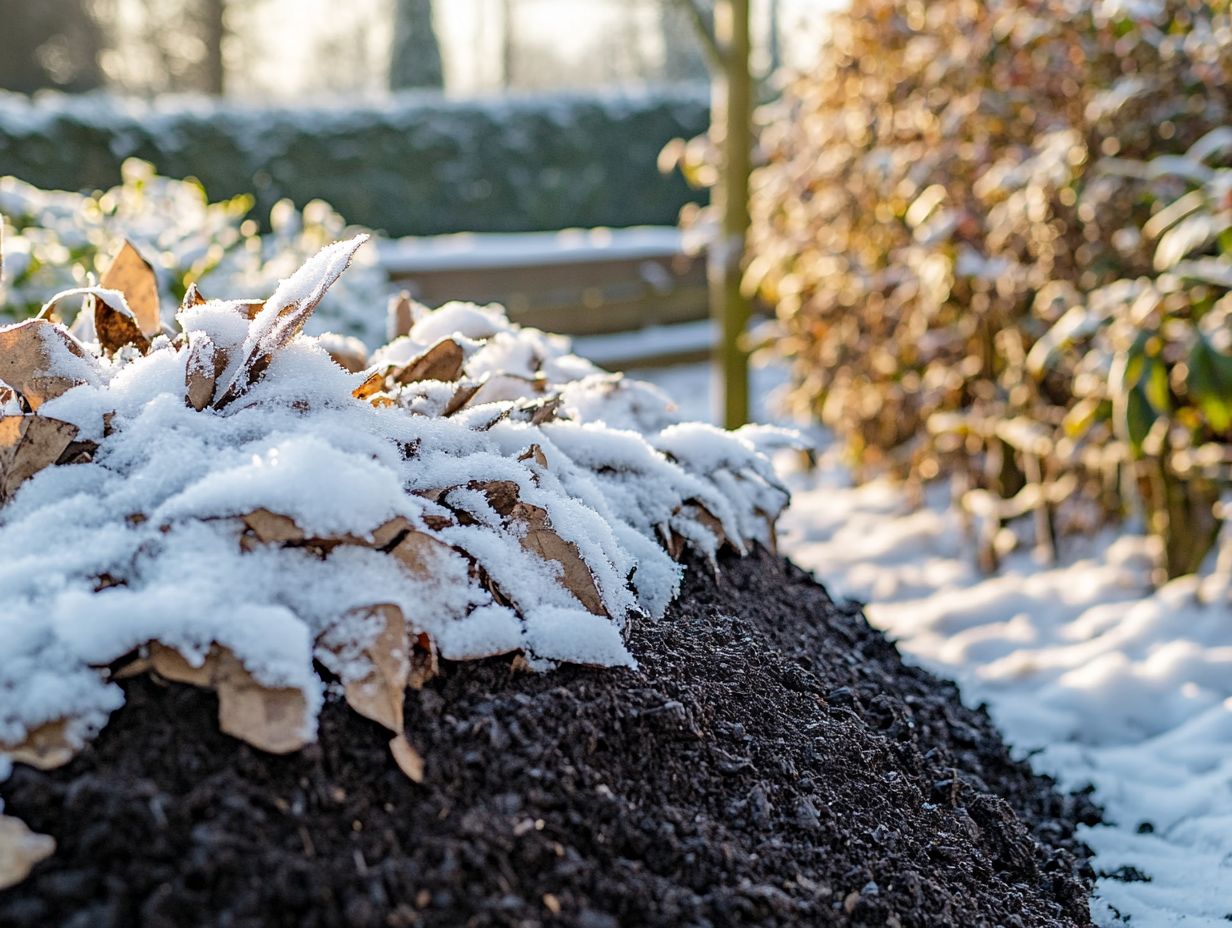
(228, 503)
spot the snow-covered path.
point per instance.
(1098, 678)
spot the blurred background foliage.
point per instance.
(996, 233)
(59, 240)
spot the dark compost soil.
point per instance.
(773, 762)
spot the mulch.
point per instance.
(772, 762)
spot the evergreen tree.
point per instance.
(415, 59)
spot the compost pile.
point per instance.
(223, 541)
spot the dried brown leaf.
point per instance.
(134, 668)
(542, 540)
(389, 532)
(419, 553)
(545, 411)
(192, 297)
(461, 396)
(443, 361)
(20, 850)
(202, 368)
(675, 546)
(115, 324)
(169, 664)
(409, 760)
(27, 360)
(44, 748)
(133, 276)
(372, 385)
(711, 523)
(534, 453)
(401, 315)
(27, 445)
(250, 309)
(379, 695)
(272, 527)
(502, 495)
(270, 718)
(276, 326)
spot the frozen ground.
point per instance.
(1086, 670)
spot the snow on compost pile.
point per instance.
(224, 504)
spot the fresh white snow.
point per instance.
(146, 541)
(1088, 671)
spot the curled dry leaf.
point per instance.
(542, 540)
(379, 695)
(401, 315)
(464, 393)
(133, 276)
(115, 325)
(534, 453)
(276, 324)
(28, 355)
(202, 368)
(443, 361)
(44, 748)
(27, 445)
(272, 718)
(249, 309)
(373, 384)
(192, 297)
(20, 850)
(409, 760)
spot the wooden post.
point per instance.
(732, 119)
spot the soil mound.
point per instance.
(772, 762)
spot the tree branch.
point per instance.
(716, 57)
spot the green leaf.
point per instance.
(1210, 384)
(1138, 417)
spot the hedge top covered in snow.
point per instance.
(430, 164)
(221, 501)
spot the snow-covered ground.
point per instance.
(1088, 671)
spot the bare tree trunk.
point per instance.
(214, 35)
(415, 60)
(732, 126)
(508, 43)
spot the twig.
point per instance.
(716, 56)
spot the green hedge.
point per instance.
(415, 166)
